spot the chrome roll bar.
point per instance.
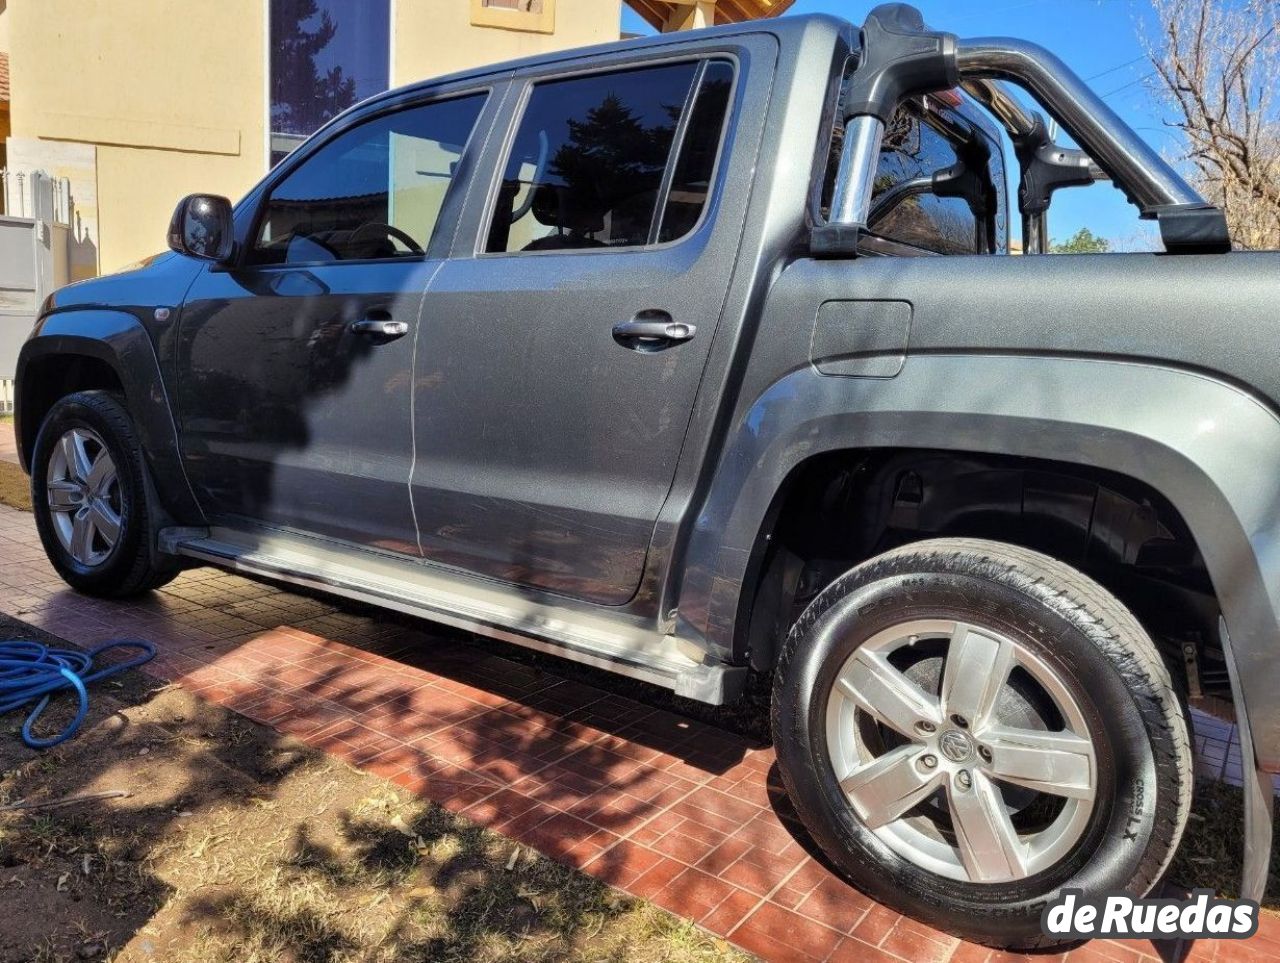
(901, 57)
(851, 203)
(1141, 172)
(1011, 115)
(1064, 167)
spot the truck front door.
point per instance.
(295, 363)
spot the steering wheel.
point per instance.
(387, 230)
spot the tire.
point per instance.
(1085, 670)
(110, 565)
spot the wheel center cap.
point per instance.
(955, 745)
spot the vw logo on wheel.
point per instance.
(955, 745)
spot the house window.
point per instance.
(537, 16)
(325, 56)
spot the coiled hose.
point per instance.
(31, 672)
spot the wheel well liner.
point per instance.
(48, 378)
(840, 508)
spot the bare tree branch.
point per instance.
(1217, 64)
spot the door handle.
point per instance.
(379, 330)
(652, 331)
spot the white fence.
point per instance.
(35, 195)
(34, 233)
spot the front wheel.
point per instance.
(89, 493)
(967, 728)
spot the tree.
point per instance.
(609, 156)
(301, 98)
(611, 151)
(1083, 241)
(1218, 64)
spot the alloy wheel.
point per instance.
(962, 750)
(84, 498)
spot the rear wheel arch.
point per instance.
(1182, 434)
(841, 508)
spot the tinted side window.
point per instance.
(374, 191)
(1000, 198)
(945, 225)
(695, 167)
(588, 163)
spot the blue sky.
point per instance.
(1099, 39)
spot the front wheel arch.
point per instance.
(104, 349)
(47, 379)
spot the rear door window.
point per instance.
(943, 225)
(916, 221)
(615, 160)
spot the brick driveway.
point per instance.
(661, 806)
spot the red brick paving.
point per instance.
(663, 807)
(8, 446)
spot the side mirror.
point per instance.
(201, 227)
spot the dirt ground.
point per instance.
(236, 843)
(15, 487)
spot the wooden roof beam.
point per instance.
(672, 15)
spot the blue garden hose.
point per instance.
(30, 671)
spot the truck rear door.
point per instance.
(562, 344)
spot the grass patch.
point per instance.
(15, 487)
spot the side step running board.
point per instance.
(411, 587)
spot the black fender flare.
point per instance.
(119, 340)
(1186, 435)
(1210, 447)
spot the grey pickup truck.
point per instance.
(702, 355)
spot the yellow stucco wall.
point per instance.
(4, 48)
(172, 92)
(434, 37)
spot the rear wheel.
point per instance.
(89, 492)
(968, 728)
